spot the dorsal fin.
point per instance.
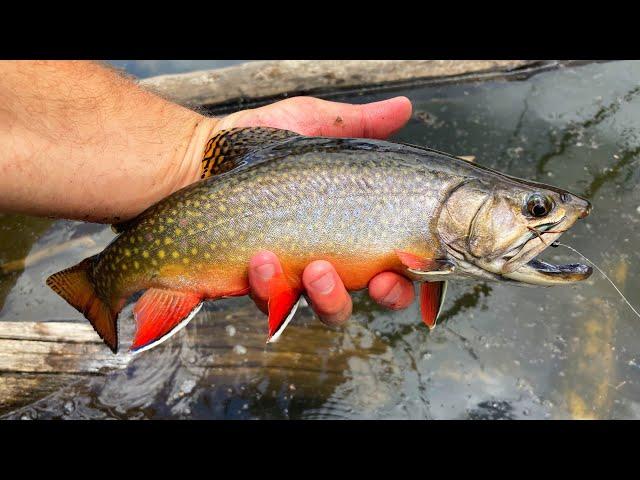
(225, 151)
(122, 226)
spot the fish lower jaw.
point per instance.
(538, 272)
(534, 272)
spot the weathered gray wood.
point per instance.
(17, 390)
(270, 78)
(39, 358)
(49, 332)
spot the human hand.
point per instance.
(311, 116)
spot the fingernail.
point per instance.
(393, 296)
(324, 284)
(266, 271)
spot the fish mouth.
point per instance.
(522, 265)
(538, 272)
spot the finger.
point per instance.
(391, 290)
(326, 291)
(312, 116)
(263, 266)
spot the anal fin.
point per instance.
(160, 314)
(431, 300)
(283, 303)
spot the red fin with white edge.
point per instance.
(160, 314)
(415, 262)
(283, 303)
(431, 300)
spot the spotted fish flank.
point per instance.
(366, 206)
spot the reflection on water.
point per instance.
(501, 351)
(150, 68)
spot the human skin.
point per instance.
(81, 141)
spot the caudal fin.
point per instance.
(74, 285)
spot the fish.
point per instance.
(367, 206)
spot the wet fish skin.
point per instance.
(354, 202)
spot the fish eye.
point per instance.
(538, 205)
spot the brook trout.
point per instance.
(366, 206)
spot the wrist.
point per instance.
(185, 164)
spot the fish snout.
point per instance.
(581, 206)
(585, 209)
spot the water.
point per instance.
(150, 68)
(501, 351)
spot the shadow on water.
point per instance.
(623, 159)
(17, 235)
(499, 351)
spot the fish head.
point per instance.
(495, 229)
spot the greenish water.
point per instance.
(501, 352)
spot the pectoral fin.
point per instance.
(160, 314)
(431, 300)
(283, 303)
(416, 262)
(422, 266)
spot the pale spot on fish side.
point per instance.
(161, 254)
(168, 240)
(145, 254)
(175, 254)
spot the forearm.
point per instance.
(80, 141)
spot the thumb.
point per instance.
(312, 116)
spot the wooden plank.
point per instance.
(18, 390)
(61, 331)
(39, 358)
(33, 356)
(262, 79)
